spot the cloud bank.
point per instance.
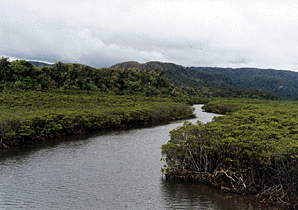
(186, 32)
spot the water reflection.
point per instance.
(178, 194)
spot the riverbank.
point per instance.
(120, 165)
(252, 150)
(28, 117)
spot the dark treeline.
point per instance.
(206, 93)
(282, 83)
(22, 74)
(251, 150)
(63, 77)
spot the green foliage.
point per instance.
(207, 92)
(44, 102)
(253, 149)
(120, 81)
(221, 82)
(31, 116)
(5, 70)
(21, 74)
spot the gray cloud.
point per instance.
(191, 33)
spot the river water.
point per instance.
(113, 170)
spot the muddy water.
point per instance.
(113, 170)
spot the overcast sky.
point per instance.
(100, 33)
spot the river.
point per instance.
(112, 170)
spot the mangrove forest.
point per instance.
(253, 149)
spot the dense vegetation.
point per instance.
(38, 103)
(199, 93)
(283, 83)
(253, 149)
(32, 116)
(22, 74)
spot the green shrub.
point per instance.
(30, 116)
(251, 150)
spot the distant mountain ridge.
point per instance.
(40, 63)
(284, 83)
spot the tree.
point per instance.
(5, 70)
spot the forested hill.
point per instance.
(66, 76)
(175, 73)
(151, 80)
(283, 83)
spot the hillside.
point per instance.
(152, 79)
(39, 63)
(283, 83)
(22, 74)
(175, 73)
